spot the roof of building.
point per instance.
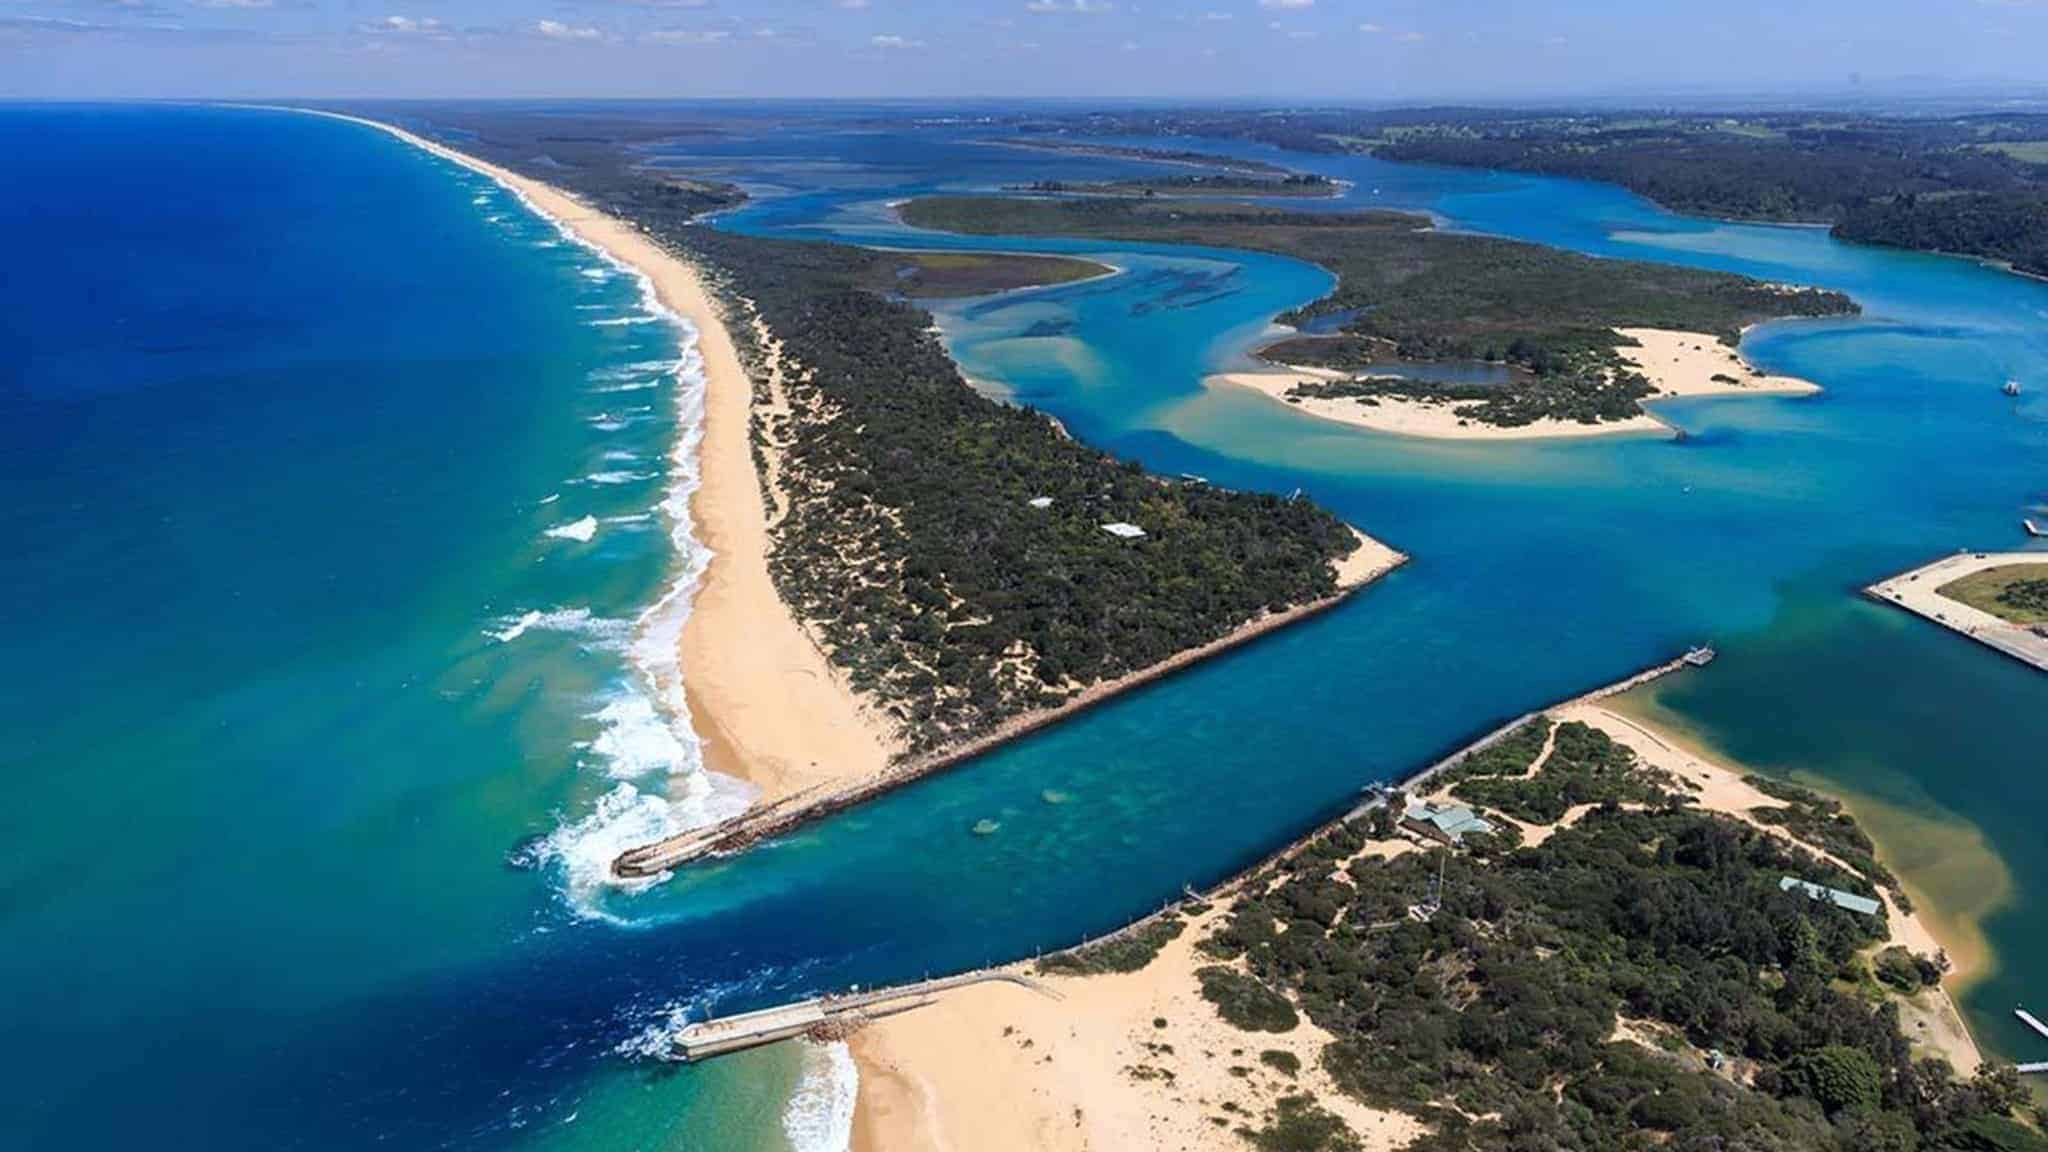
(1127, 531)
(1455, 822)
(1040, 501)
(1835, 896)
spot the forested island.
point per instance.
(1301, 184)
(1975, 185)
(1407, 293)
(947, 551)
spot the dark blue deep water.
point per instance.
(289, 411)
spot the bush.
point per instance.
(1245, 1003)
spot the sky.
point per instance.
(1364, 51)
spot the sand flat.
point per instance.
(768, 705)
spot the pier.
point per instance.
(824, 1017)
(1918, 592)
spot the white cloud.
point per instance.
(853, 4)
(1289, 4)
(890, 41)
(233, 3)
(1215, 17)
(409, 25)
(1411, 37)
(556, 30)
(1370, 28)
(687, 36)
(1085, 7)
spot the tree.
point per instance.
(1841, 1079)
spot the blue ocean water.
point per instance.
(292, 409)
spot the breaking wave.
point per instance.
(819, 1115)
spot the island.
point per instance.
(1579, 342)
(1300, 184)
(1574, 934)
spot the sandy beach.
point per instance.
(1676, 364)
(767, 704)
(998, 1068)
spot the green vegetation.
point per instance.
(1404, 291)
(910, 543)
(1282, 1061)
(1494, 1021)
(1823, 822)
(1127, 951)
(2014, 592)
(1244, 1002)
(1299, 1124)
(1585, 766)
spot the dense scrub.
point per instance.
(1585, 766)
(1406, 292)
(1496, 1019)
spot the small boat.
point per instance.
(2034, 529)
(1700, 656)
(2012, 388)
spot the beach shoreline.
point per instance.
(1677, 364)
(767, 706)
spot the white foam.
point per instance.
(609, 478)
(550, 498)
(621, 321)
(621, 456)
(606, 422)
(598, 274)
(578, 530)
(577, 621)
(819, 1115)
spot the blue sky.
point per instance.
(1356, 50)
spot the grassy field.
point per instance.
(2031, 151)
(2015, 592)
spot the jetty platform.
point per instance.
(1917, 592)
(824, 1017)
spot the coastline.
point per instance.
(767, 706)
(1133, 1059)
(1677, 364)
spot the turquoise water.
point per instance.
(290, 858)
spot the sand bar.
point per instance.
(768, 706)
(1677, 364)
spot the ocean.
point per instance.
(351, 541)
